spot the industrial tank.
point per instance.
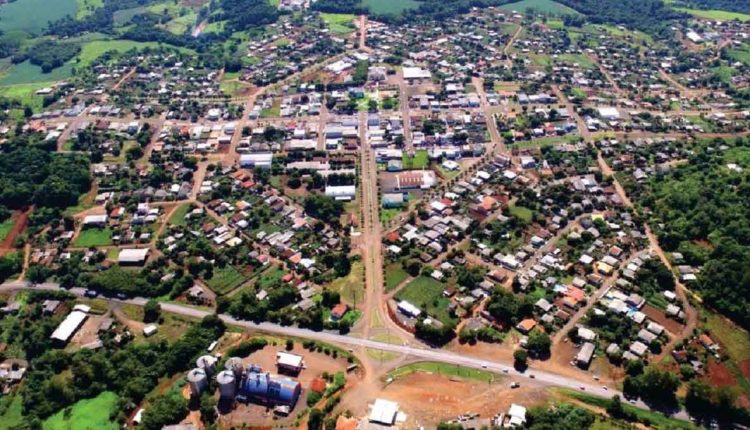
(227, 384)
(198, 381)
(207, 363)
(235, 365)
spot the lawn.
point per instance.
(448, 370)
(714, 14)
(340, 23)
(85, 415)
(427, 293)
(225, 279)
(31, 16)
(89, 237)
(542, 6)
(387, 214)
(269, 277)
(351, 287)
(521, 213)
(178, 216)
(419, 161)
(389, 7)
(5, 228)
(394, 276)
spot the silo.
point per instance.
(198, 381)
(227, 384)
(207, 363)
(235, 365)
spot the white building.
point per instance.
(341, 192)
(383, 412)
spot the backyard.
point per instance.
(427, 293)
(225, 279)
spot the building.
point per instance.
(416, 73)
(516, 416)
(133, 256)
(289, 362)
(584, 356)
(270, 389)
(68, 327)
(383, 412)
(409, 309)
(341, 192)
(95, 221)
(262, 160)
(608, 113)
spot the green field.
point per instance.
(427, 293)
(225, 279)
(92, 50)
(341, 23)
(740, 54)
(87, 7)
(27, 73)
(521, 213)
(5, 227)
(351, 287)
(394, 275)
(31, 16)
(86, 414)
(448, 370)
(178, 216)
(93, 237)
(389, 7)
(543, 6)
(13, 415)
(419, 161)
(716, 15)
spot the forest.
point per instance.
(704, 210)
(48, 55)
(649, 16)
(742, 6)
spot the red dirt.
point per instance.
(21, 220)
(658, 316)
(719, 375)
(745, 368)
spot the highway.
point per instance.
(425, 353)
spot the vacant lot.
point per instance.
(351, 287)
(341, 23)
(178, 216)
(541, 6)
(93, 237)
(225, 279)
(419, 161)
(32, 16)
(522, 213)
(427, 293)
(85, 414)
(394, 276)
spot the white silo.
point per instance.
(198, 381)
(207, 363)
(235, 365)
(227, 384)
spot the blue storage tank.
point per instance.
(270, 388)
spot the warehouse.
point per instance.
(289, 362)
(383, 412)
(584, 356)
(132, 256)
(68, 327)
(270, 389)
(261, 160)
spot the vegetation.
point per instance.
(86, 414)
(443, 369)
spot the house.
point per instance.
(526, 325)
(339, 311)
(584, 356)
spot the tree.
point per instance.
(208, 408)
(167, 409)
(315, 420)
(151, 311)
(520, 357)
(538, 344)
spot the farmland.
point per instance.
(85, 414)
(31, 16)
(718, 15)
(543, 6)
(341, 23)
(389, 7)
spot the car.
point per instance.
(604, 387)
(582, 388)
(484, 365)
(121, 296)
(505, 370)
(596, 378)
(90, 293)
(532, 376)
(515, 385)
(631, 401)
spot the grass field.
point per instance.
(544, 6)
(178, 216)
(87, 7)
(32, 16)
(716, 15)
(735, 340)
(419, 161)
(740, 54)
(25, 93)
(394, 275)
(5, 227)
(13, 415)
(340, 23)
(521, 213)
(26, 73)
(448, 370)
(93, 237)
(387, 214)
(225, 279)
(389, 7)
(427, 293)
(657, 420)
(85, 415)
(351, 287)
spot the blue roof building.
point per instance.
(268, 388)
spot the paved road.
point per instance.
(425, 353)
